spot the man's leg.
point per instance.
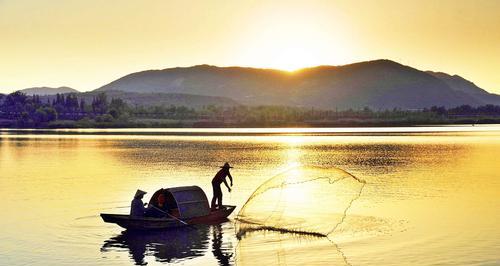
(218, 195)
(212, 204)
(214, 197)
(220, 200)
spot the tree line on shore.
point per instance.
(31, 111)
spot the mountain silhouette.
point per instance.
(460, 84)
(48, 90)
(379, 84)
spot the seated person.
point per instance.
(159, 208)
(161, 202)
(137, 208)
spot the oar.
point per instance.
(181, 221)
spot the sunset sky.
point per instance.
(85, 44)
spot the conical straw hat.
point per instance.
(226, 165)
(139, 193)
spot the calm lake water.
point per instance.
(432, 195)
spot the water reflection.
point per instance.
(222, 255)
(277, 248)
(165, 246)
(432, 198)
(171, 246)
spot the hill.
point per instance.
(460, 84)
(48, 90)
(379, 84)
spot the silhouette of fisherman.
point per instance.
(217, 181)
(137, 208)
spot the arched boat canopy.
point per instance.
(190, 201)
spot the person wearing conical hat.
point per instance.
(137, 208)
(218, 179)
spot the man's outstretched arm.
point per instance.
(230, 178)
(225, 183)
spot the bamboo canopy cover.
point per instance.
(190, 201)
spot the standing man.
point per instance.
(217, 181)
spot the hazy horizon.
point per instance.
(87, 44)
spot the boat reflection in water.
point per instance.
(170, 246)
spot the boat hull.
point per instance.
(151, 223)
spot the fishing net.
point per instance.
(302, 200)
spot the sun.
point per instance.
(292, 58)
(286, 48)
(295, 37)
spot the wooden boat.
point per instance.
(185, 205)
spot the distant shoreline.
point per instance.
(18, 110)
(67, 124)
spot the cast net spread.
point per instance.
(302, 200)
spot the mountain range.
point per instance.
(379, 84)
